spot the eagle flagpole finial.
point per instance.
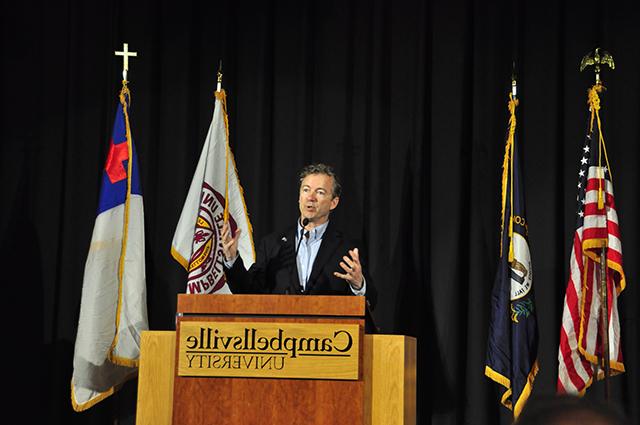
(597, 58)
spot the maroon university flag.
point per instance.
(215, 195)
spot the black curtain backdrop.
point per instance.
(407, 99)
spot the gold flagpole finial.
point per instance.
(514, 84)
(219, 76)
(597, 58)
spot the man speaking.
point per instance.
(310, 258)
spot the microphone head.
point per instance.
(305, 221)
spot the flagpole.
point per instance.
(601, 57)
(226, 156)
(514, 83)
(604, 308)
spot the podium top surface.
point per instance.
(281, 305)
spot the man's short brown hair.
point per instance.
(322, 169)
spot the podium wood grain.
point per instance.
(390, 379)
(389, 375)
(246, 401)
(155, 378)
(270, 305)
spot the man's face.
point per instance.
(316, 198)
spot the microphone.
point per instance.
(304, 223)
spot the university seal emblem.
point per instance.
(206, 268)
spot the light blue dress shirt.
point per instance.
(308, 252)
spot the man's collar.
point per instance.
(315, 233)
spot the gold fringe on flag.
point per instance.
(125, 100)
(507, 175)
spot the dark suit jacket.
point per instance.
(275, 270)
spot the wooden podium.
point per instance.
(270, 359)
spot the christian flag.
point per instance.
(113, 309)
(581, 351)
(513, 333)
(215, 195)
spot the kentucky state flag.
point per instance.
(113, 309)
(513, 333)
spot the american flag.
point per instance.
(581, 354)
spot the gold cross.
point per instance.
(125, 53)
